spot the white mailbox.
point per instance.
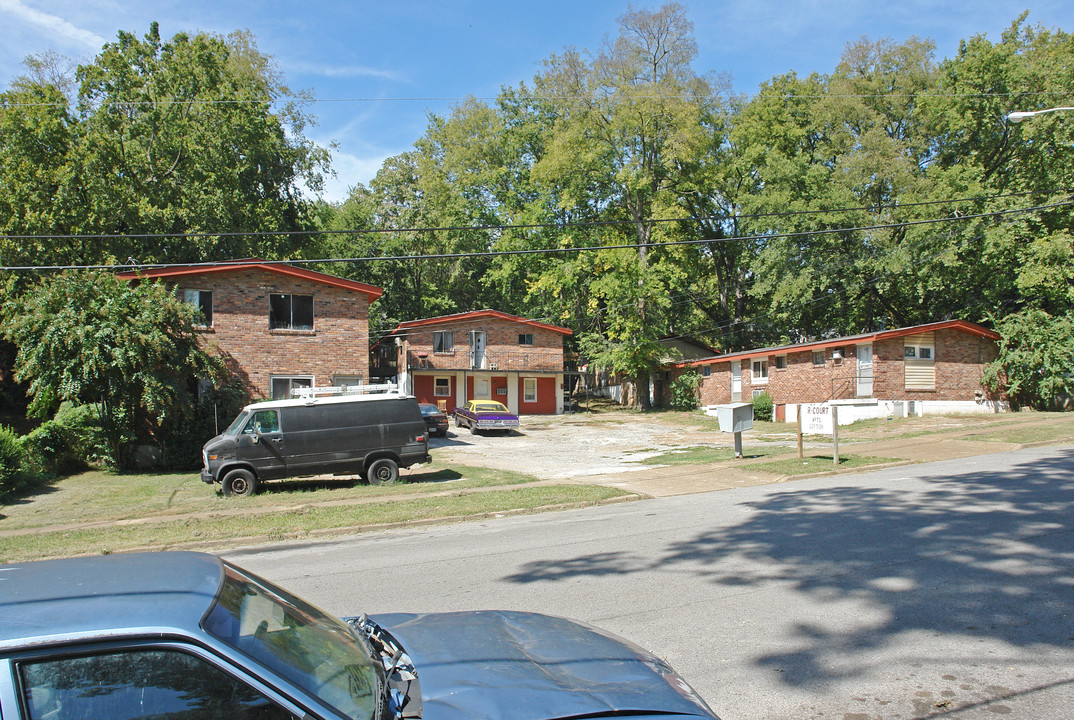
(735, 417)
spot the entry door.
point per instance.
(736, 381)
(865, 371)
(481, 389)
(477, 349)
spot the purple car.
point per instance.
(481, 415)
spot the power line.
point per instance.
(542, 251)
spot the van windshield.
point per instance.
(238, 422)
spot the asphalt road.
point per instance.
(944, 588)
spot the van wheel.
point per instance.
(239, 483)
(383, 472)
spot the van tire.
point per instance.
(383, 472)
(239, 483)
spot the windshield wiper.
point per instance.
(402, 689)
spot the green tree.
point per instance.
(196, 135)
(1035, 367)
(130, 350)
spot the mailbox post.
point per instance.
(734, 418)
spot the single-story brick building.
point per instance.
(933, 368)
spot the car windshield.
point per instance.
(311, 649)
(429, 409)
(233, 428)
(490, 407)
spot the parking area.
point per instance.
(572, 446)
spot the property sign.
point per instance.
(816, 419)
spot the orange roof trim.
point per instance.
(962, 325)
(478, 315)
(372, 292)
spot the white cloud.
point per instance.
(351, 170)
(53, 25)
(341, 71)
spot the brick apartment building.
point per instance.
(484, 354)
(933, 368)
(278, 326)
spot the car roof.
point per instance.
(108, 595)
(329, 400)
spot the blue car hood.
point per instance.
(523, 666)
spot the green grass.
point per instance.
(1055, 432)
(817, 464)
(209, 528)
(101, 496)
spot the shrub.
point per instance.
(188, 428)
(67, 443)
(685, 391)
(11, 470)
(762, 407)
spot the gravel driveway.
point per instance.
(570, 446)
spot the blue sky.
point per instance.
(378, 68)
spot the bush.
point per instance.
(187, 429)
(762, 407)
(686, 391)
(65, 444)
(11, 470)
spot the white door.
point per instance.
(736, 381)
(865, 371)
(481, 389)
(477, 349)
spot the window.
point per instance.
(283, 385)
(202, 300)
(781, 362)
(443, 341)
(290, 312)
(529, 390)
(759, 393)
(909, 351)
(263, 421)
(706, 370)
(442, 387)
(925, 353)
(818, 358)
(139, 683)
(760, 371)
(346, 380)
(525, 339)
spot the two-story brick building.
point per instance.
(278, 326)
(933, 368)
(484, 354)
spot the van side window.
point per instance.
(263, 421)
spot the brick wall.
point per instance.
(959, 359)
(338, 345)
(502, 348)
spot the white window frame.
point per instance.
(195, 297)
(290, 383)
(446, 386)
(446, 342)
(759, 378)
(529, 396)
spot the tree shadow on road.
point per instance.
(982, 554)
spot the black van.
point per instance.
(368, 435)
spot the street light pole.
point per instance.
(1020, 115)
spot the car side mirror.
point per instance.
(255, 438)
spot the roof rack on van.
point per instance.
(336, 390)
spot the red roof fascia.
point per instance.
(370, 291)
(962, 325)
(480, 314)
